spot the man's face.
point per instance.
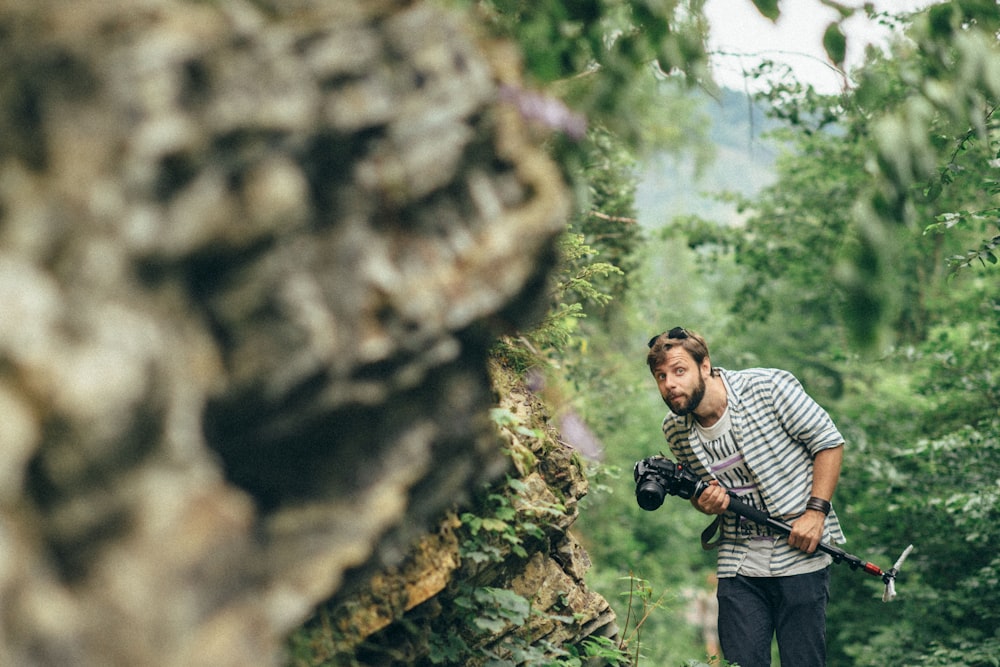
(681, 381)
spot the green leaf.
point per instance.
(472, 521)
(504, 417)
(517, 484)
(494, 525)
(493, 625)
(844, 11)
(768, 8)
(941, 20)
(835, 44)
(505, 513)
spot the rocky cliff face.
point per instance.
(252, 255)
(501, 578)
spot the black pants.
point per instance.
(753, 609)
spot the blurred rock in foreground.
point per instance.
(252, 255)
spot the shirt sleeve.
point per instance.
(802, 417)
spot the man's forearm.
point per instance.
(826, 472)
(807, 530)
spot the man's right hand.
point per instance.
(713, 500)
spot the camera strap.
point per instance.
(706, 535)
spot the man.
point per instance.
(758, 434)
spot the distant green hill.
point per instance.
(744, 163)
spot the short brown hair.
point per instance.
(676, 337)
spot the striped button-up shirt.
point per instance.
(779, 429)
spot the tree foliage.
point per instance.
(869, 269)
(594, 54)
(934, 135)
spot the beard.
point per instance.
(684, 409)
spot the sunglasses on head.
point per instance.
(677, 333)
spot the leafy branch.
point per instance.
(985, 253)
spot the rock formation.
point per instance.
(252, 256)
(433, 600)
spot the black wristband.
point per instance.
(818, 504)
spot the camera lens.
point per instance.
(649, 495)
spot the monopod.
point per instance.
(657, 476)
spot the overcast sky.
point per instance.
(797, 38)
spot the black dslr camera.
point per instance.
(656, 477)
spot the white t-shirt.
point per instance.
(727, 464)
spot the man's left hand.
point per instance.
(807, 531)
